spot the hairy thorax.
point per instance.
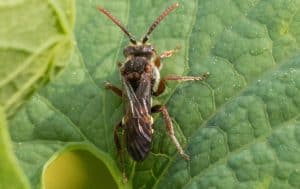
(133, 69)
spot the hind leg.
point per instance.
(170, 129)
(120, 149)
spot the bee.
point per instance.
(141, 80)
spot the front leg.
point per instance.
(163, 55)
(162, 83)
(169, 127)
(169, 53)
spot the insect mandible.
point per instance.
(141, 80)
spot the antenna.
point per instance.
(158, 20)
(117, 22)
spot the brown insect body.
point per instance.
(141, 80)
(138, 78)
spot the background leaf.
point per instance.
(35, 43)
(240, 126)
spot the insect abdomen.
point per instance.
(138, 139)
(139, 149)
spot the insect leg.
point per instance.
(163, 55)
(120, 149)
(162, 83)
(169, 127)
(169, 53)
(113, 88)
(119, 64)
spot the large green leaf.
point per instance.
(240, 127)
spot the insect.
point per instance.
(141, 80)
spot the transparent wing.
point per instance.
(138, 125)
(138, 107)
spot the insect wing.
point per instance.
(138, 109)
(138, 138)
(138, 126)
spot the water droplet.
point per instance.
(292, 70)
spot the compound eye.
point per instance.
(153, 50)
(127, 51)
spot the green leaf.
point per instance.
(35, 43)
(10, 172)
(240, 126)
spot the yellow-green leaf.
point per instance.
(10, 172)
(35, 43)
